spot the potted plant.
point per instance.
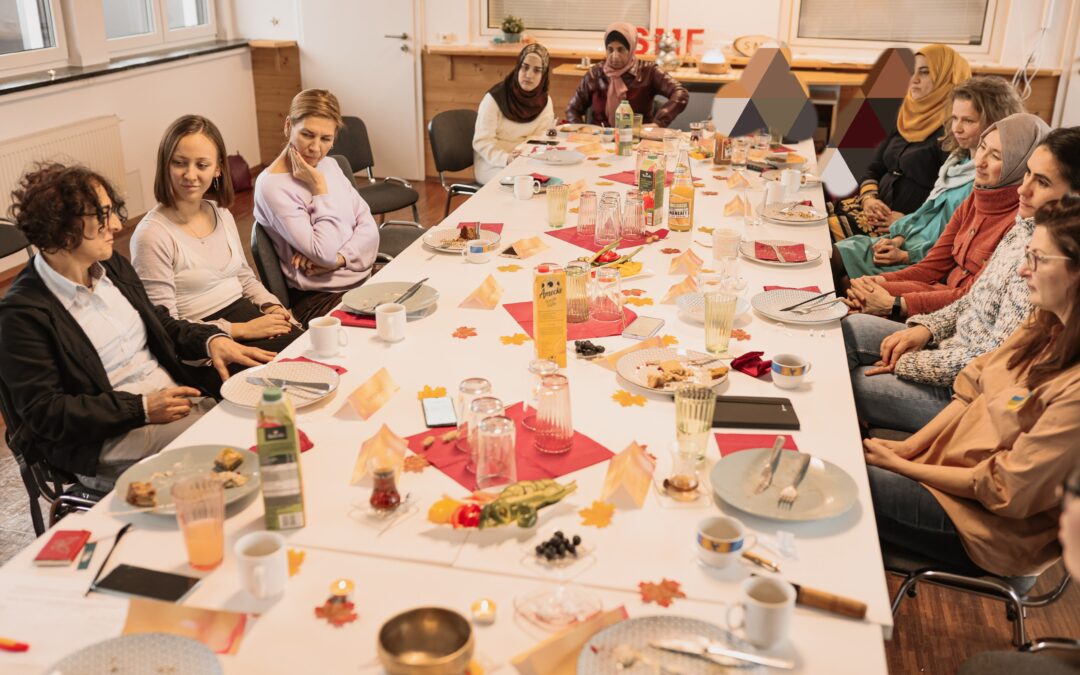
(512, 28)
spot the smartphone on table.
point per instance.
(439, 412)
(643, 327)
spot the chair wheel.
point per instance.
(912, 592)
(1010, 613)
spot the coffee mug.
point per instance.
(774, 193)
(788, 370)
(767, 606)
(725, 243)
(791, 179)
(390, 322)
(477, 251)
(525, 187)
(720, 540)
(263, 562)
(327, 335)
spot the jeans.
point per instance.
(908, 516)
(885, 400)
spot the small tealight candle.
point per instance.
(341, 588)
(483, 611)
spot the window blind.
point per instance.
(580, 15)
(919, 21)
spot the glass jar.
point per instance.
(385, 496)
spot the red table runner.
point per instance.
(586, 330)
(585, 241)
(729, 443)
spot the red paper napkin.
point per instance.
(729, 443)
(780, 148)
(751, 364)
(531, 464)
(303, 359)
(352, 320)
(791, 253)
(812, 289)
(627, 178)
(540, 177)
(585, 241)
(490, 227)
(586, 330)
(305, 442)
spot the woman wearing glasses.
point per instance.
(976, 487)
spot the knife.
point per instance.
(808, 300)
(278, 382)
(706, 650)
(770, 467)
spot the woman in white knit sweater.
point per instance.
(902, 378)
(511, 112)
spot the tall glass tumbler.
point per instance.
(200, 512)
(740, 149)
(720, 302)
(496, 458)
(606, 295)
(607, 222)
(577, 291)
(470, 389)
(556, 202)
(554, 434)
(538, 368)
(694, 406)
(586, 217)
(639, 119)
(633, 218)
(479, 410)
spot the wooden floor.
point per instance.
(935, 631)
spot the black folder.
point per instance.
(755, 412)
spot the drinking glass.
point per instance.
(633, 218)
(577, 291)
(200, 512)
(470, 388)
(684, 478)
(672, 140)
(554, 428)
(720, 302)
(607, 222)
(725, 243)
(586, 217)
(739, 149)
(694, 406)
(763, 141)
(479, 410)
(556, 202)
(538, 368)
(606, 295)
(496, 461)
(638, 120)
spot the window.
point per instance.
(957, 22)
(25, 25)
(127, 18)
(188, 14)
(139, 25)
(567, 16)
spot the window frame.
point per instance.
(991, 47)
(162, 36)
(482, 30)
(46, 57)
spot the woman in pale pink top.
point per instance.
(323, 232)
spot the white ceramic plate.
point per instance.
(559, 157)
(579, 128)
(508, 182)
(447, 240)
(746, 248)
(826, 491)
(793, 214)
(693, 306)
(635, 366)
(807, 178)
(140, 653)
(168, 466)
(239, 391)
(364, 298)
(769, 303)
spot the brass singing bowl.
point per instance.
(426, 641)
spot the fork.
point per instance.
(789, 494)
(815, 307)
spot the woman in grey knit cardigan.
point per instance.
(903, 378)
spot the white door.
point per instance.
(366, 53)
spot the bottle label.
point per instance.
(549, 316)
(279, 469)
(678, 209)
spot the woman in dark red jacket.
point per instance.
(623, 76)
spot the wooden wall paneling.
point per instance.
(275, 70)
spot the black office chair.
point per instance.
(12, 240)
(267, 263)
(383, 196)
(450, 133)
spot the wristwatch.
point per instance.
(897, 309)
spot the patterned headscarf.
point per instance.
(516, 103)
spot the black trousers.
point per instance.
(308, 305)
(244, 310)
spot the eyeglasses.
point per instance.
(1032, 259)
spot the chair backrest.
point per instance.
(346, 169)
(395, 237)
(451, 133)
(352, 142)
(267, 263)
(12, 240)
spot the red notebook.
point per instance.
(62, 548)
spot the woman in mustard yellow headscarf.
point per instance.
(907, 162)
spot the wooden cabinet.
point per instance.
(275, 69)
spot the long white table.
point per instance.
(414, 563)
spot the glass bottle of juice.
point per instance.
(279, 461)
(624, 129)
(651, 177)
(549, 312)
(681, 199)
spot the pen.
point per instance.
(104, 563)
(9, 645)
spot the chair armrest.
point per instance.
(383, 257)
(464, 189)
(395, 179)
(409, 223)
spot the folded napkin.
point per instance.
(490, 227)
(628, 178)
(305, 442)
(353, 320)
(303, 359)
(540, 177)
(791, 253)
(729, 443)
(812, 289)
(751, 364)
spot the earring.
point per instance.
(216, 183)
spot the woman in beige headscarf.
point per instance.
(622, 76)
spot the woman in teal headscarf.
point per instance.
(976, 104)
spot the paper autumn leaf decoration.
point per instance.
(430, 392)
(663, 593)
(705, 230)
(574, 209)
(599, 514)
(486, 295)
(687, 285)
(739, 334)
(638, 302)
(464, 332)
(626, 399)
(603, 164)
(633, 291)
(671, 251)
(515, 339)
(604, 183)
(709, 193)
(669, 340)
(593, 158)
(296, 559)
(687, 263)
(373, 394)
(698, 185)
(736, 207)
(509, 268)
(415, 464)
(737, 180)
(337, 613)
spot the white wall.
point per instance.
(255, 19)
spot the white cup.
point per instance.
(788, 370)
(390, 322)
(791, 179)
(525, 187)
(327, 335)
(774, 193)
(720, 540)
(725, 243)
(477, 251)
(767, 606)
(263, 562)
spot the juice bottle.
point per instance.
(651, 177)
(279, 461)
(549, 312)
(624, 129)
(681, 199)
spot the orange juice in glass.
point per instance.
(200, 512)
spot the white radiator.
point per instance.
(94, 143)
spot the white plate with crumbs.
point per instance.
(241, 389)
(141, 654)
(168, 466)
(658, 369)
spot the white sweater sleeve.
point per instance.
(485, 137)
